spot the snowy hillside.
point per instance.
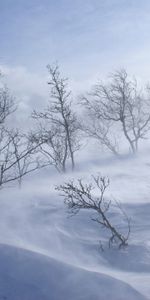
(28, 275)
(46, 255)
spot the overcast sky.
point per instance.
(89, 38)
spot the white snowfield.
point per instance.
(46, 255)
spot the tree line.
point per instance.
(113, 111)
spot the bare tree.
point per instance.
(57, 125)
(118, 104)
(17, 154)
(18, 157)
(52, 145)
(7, 105)
(80, 196)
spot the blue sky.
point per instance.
(89, 38)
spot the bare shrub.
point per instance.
(78, 196)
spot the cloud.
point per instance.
(29, 89)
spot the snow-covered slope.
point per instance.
(28, 275)
(46, 255)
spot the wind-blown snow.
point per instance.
(46, 255)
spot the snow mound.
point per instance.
(26, 275)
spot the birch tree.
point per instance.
(118, 105)
(58, 125)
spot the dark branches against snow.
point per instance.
(80, 195)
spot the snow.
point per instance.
(28, 275)
(47, 255)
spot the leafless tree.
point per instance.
(18, 157)
(118, 105)
(80, 196)
(16, 151)
(57, 125)
(7, 105)
(52, 145)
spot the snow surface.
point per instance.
(47, 255)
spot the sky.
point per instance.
(88, 38)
